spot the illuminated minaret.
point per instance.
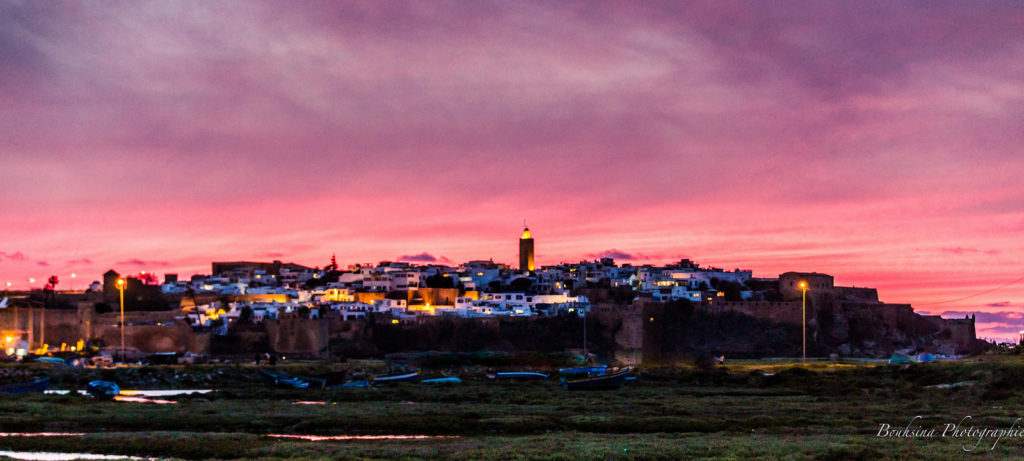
(526, 251)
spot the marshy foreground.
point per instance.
(748, 409)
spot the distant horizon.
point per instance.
(987, 320)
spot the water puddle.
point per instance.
(41, 434)
(128, 398)
(143, 393)
(303, 402)
(48, 456)
(320, 438)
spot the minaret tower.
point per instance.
(526, 251)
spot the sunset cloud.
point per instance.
(142, 263)
(422, 258)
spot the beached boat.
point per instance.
(517, 375)
(103, 390)
(351, 384)
(570, 373)
(449, 380)
(606, 381)
(278, 379)
(38, 385)
(396, 377)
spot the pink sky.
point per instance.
(881, 142)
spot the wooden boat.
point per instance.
(103, 390)
(396, 377)
(449, 380)
(606, 381)
(283, 380)
(568, 373)
(517, 375)
(38, 385)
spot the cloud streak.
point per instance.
(143, 263)
(423, 258)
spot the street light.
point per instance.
(71, 285)
(803, 288)
(120, 288)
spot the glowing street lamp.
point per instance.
(71, 285)
(120, 288)
(803, 288)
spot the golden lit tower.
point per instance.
(526, 251)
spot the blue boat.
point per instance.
(582, 371)
(606, 381)
(38, 385)
(396, 377)
(278, 379)
(450, 380)
(351, 385)
(103, 390)
(51, 360)
(517, 375)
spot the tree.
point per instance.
(245, 316)
(520, 284)
(51, 284)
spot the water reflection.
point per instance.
(144, 393)
(41, 455)
(128, 398)
(319, 438)
(41, 434)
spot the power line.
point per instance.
(974, 295)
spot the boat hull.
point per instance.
(396, 377)
(603, 382)
(451, 380)
(38, 385)
(103, 390)
(282, 380)
(519, 376)
(570, 373)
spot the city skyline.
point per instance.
(880, 142)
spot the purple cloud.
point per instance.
(961, 250)
(16, 256)
(622, 255)
(43, 263)
(612, 253)
(139, 262)
(273, 255)
(80, 261)
(422, 258)
(999, 304)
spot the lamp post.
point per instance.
(120, 288)
(71, 286)
(803, 309)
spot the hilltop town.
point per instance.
(637, 314)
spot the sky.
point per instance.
(880, 142)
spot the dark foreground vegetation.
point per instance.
(755, 409)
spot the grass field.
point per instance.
(745, 410)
